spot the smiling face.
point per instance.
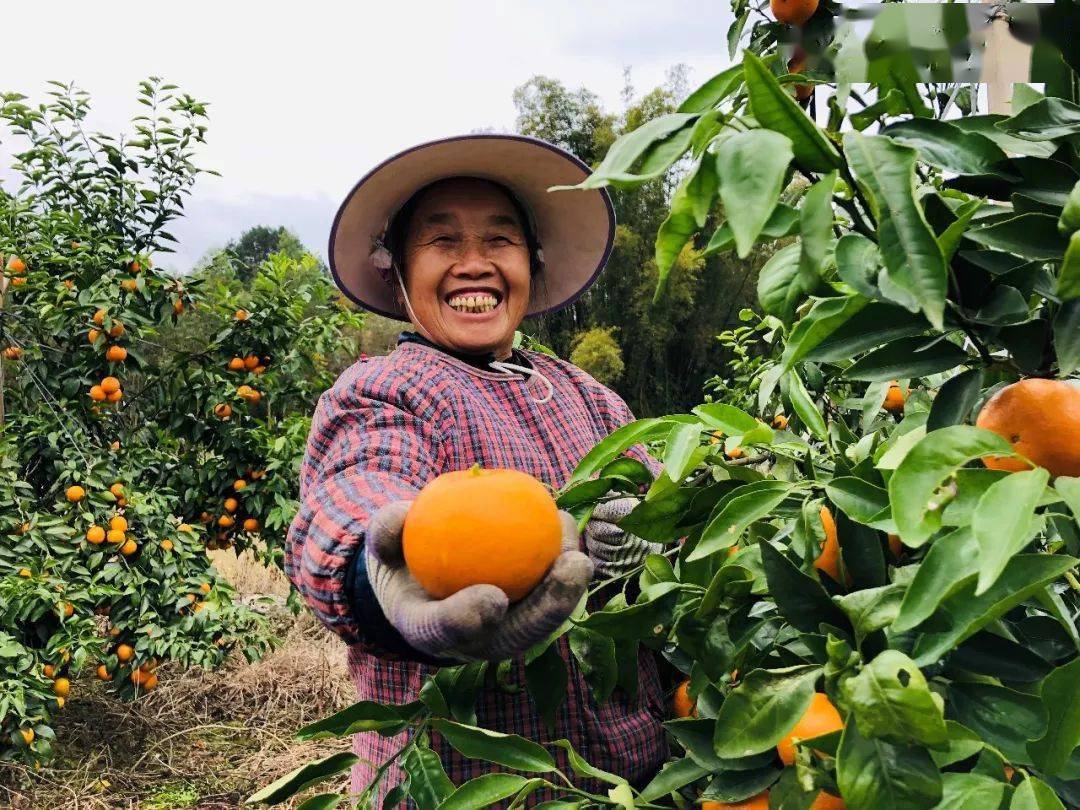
(466, 266)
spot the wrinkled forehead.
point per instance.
(464, 200)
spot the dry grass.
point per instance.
(202, 739)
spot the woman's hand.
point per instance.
(614, 551)
(476, 623)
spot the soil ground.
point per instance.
(201, 739)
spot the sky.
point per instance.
(305, 97)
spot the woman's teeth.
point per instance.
(473, 303)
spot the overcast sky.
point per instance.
(304, 97)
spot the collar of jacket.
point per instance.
(480, 361)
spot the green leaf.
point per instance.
(946, 146)
(873, 325)
(1001, 717)
(800, 598)
(824, 318)
(926, 467)
(679, 449)
(1002, 522)
(1069, 489)
(860, 500)
(950, 238)
(871, 609)
(783, 221)
(596, 656)
(502, 749)
(687, 213)
(638, 620)
(324, 801)
(804, 406)
(616, 443)
(583, 768)
(858, 262)
(1050, 119)
(483, 791)
(751, 166)
(955, 399)
(1034, 794)
(546, 678)
(428, 783)
(1067, 336)
(643, 154)
(762, 709)
(963, 614)
(913, 259)
(713, 91)
(1060, 694)
(734, 422)
(735, 514)
(815, 225)
(1068, 281)
(907, 357)
(304, 777)
(739, 786)
(782, 283)
(674, 775)
(951, 562)
(971, 791)
(986, 125)
(365, 715)
(1069, 220)
(1031, 236)
(880, 775)
(892, 701)
(774, 109)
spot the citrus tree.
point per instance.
(869, 577)
(114, 434)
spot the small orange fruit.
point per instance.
(49, 671)
(129, 548)
(99, 317)
(820, 718)
(223, 410)
(258, 369)
(236, 364)
(758, 802)
(116, 354)
(239, 484)
(25, 573)
(829, 559)
(512, 523)
(110, 385)
(167, 545)
(793, 12)
(116, 330)
(797, 64)
(12, 353)
(114, 632)
(61, 687)
(231, 504)
(150, 683)
(178, 306)
(242, 315)
(27, 735)
(251, 525)
(129, 284)
(121, 502)
(135, 267)
(124, 652)
(184, 527)
(119, 523)
(18, 281)
(895, 545)
(68, 610)
(60, 702)
(826, 801)
(895, 398)
(257, 474)
(93, 335)
(95, 535)
(251, 361)
(682, 704)
(191, 597)
(780, 422)
(204, 587)
(16, 266)
(97, 393)
(117, 489)
(226, 521)
(115, 396)
(735, 452)
(115, 536)
(75, 493)
(1041, 419)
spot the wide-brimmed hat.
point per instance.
(575, 229)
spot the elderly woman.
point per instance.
(460, 238)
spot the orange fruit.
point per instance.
(178, 306)
(135, 267)
(511, 523)
(95, 534)
(231, 504)
(99, 317)
(12, 353)
(114, 632)
(191, 597)
(16, 266)
(167, 545)
(682, 703)
(139, 676)
(225, 521)
(18, 282)
(204, 587)
(828, 560)
(258, 369)
(716, 437)
(1041, 419)
(48, 671)
(895, 398)
(110, 384)
(119, 523)
(115, 396)
(129, 284)
(251, 525)
(116, 354)
(27, 734)
(793, 12)
(242, 315)
(117, 329)
(239, 484)
(184, 527)
(758, 802)
(257, 474)
(779, 422)
(129, 548)
(820, 718)
(250, 362)
(75, 493)
(93, 335)
(97, 393)
(25, 573)
(124, 652)
(117, 489)
(61, 687)
(895, 545)
(150, 683)
(60, 702)
(236, 364)
(114, 446)
(826, 801)
(735, 452)
(68, 609)
(121, 502)
(115, 536)
(223, 410)
(797, 64)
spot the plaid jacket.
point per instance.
(388, 426)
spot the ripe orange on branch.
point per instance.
(16, 266)
(95, 535)
(499, 527)
(828, 560)
(75, 493)
(116, 354)
(682, 704)
(758, 802)
(820, 718)
(1041, 419)
(895, 398)
(110, 385)
(793, 12)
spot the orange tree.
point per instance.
(870, 573)
(110, 445)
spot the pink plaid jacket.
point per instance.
(388, 426)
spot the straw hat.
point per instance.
(575, 229)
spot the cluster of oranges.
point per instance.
(12, 352)
(16, 271)
(132, 284)
(143, 676)
(227, 521)
(251, 363)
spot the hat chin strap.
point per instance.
(508, 369)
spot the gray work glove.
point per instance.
(476, 623)
(615, 551)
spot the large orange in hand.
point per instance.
(499, 527)
(1041, 419)
(821, 718)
